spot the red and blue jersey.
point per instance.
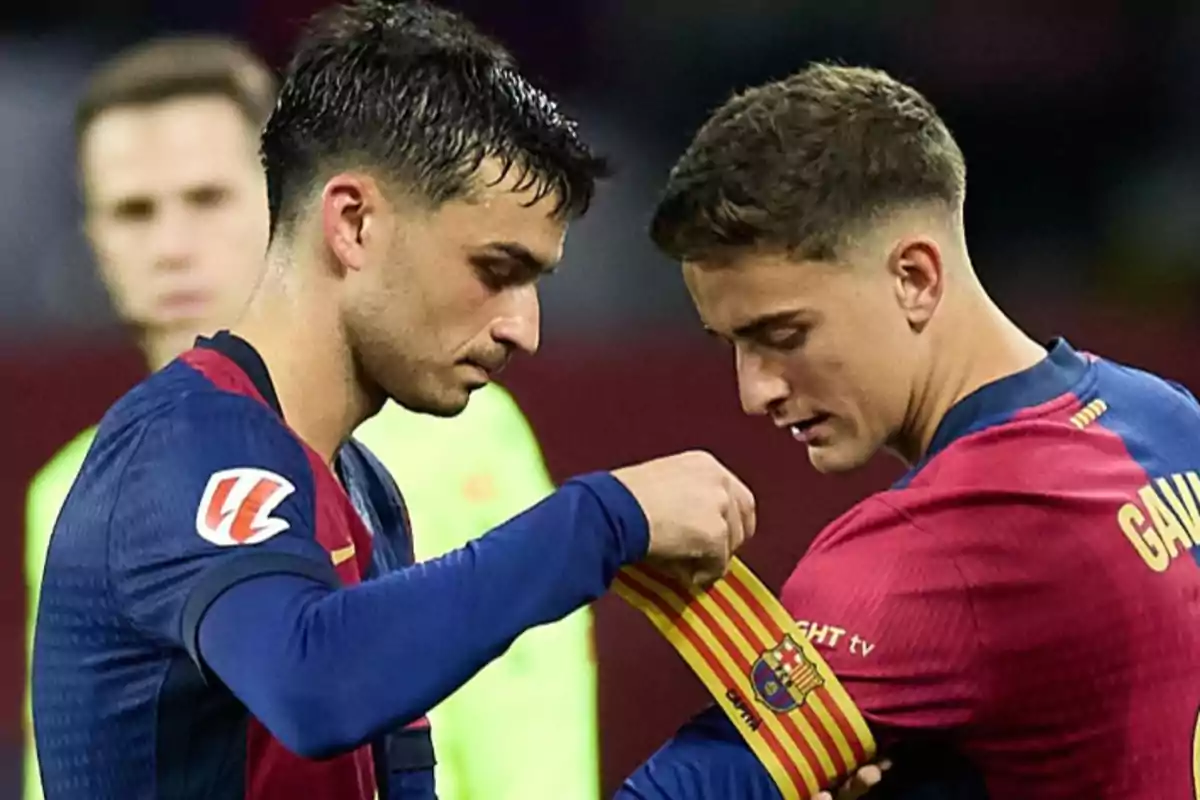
(1019, 616)
(224, 615)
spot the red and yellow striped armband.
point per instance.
(763, 672)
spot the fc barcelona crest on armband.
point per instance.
(783, 677)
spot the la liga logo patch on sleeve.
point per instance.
(237, 505)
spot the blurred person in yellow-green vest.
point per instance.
(176, 215)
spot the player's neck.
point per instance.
(995, 349)
(296, 331)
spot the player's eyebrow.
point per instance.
(523, 255)
(760, 325)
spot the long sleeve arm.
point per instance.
(327, 669)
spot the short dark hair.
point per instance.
(417, 92)
(181, 66)
(802, 164)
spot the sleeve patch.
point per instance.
(237, 504)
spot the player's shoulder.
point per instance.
(177, 427)
(1054, 446)
(1013, 473)
(894, 538)
(849, 545)
(872, 541)
(202, 460)
(879, 581)
(1142, 382)
(180, 400)
(882, 515)
(1144, 399)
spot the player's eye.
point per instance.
(500, 273)
(134, 209)
(207, 196)
(788, 338)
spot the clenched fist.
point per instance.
(699, 513)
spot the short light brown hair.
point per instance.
(168, 68)
(802, 164)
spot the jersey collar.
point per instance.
(247, 359)
(998, 402)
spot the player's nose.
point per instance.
(172, 241)
(520, 326)
(758, 389)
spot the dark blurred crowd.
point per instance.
(1079, 128)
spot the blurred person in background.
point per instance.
(176, 213)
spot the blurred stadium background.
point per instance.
(1081, 127)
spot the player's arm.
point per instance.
(327, 668)
(885, 604)
(706, 760)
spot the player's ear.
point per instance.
(350, 205)
(915, 264)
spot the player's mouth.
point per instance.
(183, 304)
(488, 369)
(805, 430)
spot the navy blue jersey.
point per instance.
(225, 616)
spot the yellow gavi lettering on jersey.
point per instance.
(1163, 521)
